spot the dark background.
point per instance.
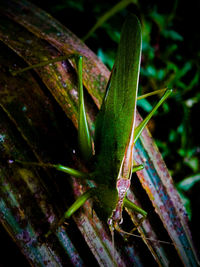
(171, 41)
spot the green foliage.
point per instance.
(184, 186)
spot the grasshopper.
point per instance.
(109, 155)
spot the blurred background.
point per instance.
(170, 58)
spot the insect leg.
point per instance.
(77, 204)
(152, 93)
(141, 126)
(59, 167)
(73, 208)
(84, 136)
(130, 205)
(137, 168)
(41, 64)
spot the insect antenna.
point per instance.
(113, 243)
(117, 228)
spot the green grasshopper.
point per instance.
(109, 155)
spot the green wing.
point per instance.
(116, 118)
